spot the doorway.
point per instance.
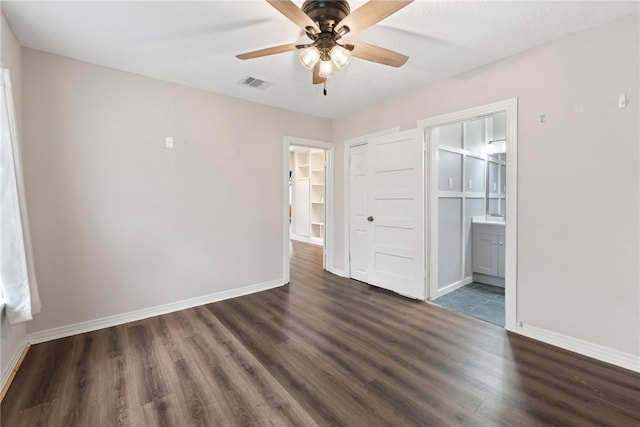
(308, 189)
(471, 211)
(307, 182)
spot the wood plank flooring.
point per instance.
(320, 351)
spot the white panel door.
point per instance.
(302, 204)
(395, 208)
(358, 212)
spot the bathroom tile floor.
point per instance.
(485, 302)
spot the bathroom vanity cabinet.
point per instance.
(488, 252)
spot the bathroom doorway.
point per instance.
(471, 217)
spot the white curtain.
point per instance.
(17, 274)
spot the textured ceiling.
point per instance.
(195, 43)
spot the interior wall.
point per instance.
(121, 223)
(12, 337)
(579, 192)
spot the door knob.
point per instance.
(370, 219)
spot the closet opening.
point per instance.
(307, 182)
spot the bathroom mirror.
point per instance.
(496, 168)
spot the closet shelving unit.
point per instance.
(308, 198)
(317, 194)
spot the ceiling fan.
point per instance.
(325, 23)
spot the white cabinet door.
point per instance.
(485, 255)
(358, 212)
(500, 256)
(395, 208)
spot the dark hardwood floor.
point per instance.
(320, 351)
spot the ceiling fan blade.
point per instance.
(294, 13)
(316, 75)
(369, 14)
(269, 51)
(377, 54)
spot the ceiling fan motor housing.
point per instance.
(326, 13)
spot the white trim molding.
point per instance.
(586, 348)
(337, 272)
(452, 287)
(305, 239)
(132, 316)
(13, 364)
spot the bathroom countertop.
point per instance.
(487, 221)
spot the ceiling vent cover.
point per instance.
(255, 83)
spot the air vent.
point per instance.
(255, 83)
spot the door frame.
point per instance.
(327, 241)
(348, 144)
(510, 107)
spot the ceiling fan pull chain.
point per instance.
(325, 88)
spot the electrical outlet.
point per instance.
(622, 100)
(168, 142)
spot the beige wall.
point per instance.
(11, 337)
(121, 223)
(578, 176)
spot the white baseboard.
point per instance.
(306, 239)
(337, 272)
(595, 351)
(488, 280)
(119, 319)
(452, 287)
(13, 363)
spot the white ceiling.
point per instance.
(195, 43)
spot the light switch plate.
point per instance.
(450, 183)
(168, 142)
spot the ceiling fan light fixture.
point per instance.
(326, 69)
(309, 56)
(340, 56)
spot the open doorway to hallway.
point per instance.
(308, 201)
